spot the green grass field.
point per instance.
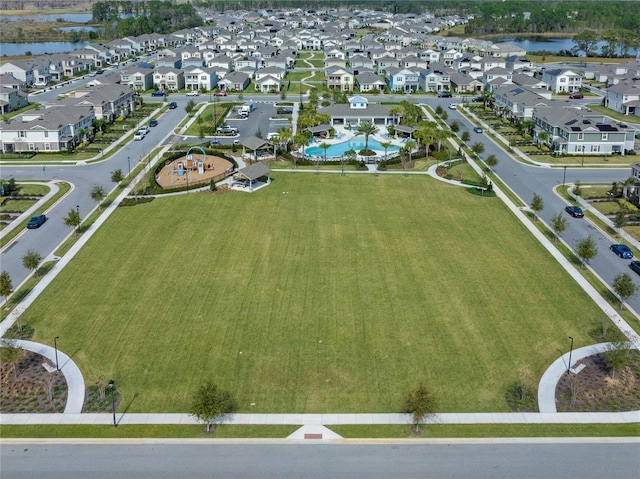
(319, 293)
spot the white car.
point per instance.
(138, 136)
(192, 93)
(452, 106)
(144, 130)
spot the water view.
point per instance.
(553, 45)
(356, 143)
(38, 48)
(50, 17)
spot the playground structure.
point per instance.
(195, 169)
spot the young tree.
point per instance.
(491, 162)
(617, 355)
(31, 260)
(191, 105)
(537, 204)
(9, 354)
(455, 126)
(586, 249)
(211, 403)
(624, 287)
(420, 403)
(466, 136)
(348, 156)
(73, 220)
(477, 148)
(98, 194)
(117, 176)
(621, 218)
(524, 380)
(6, 286)
(559, 224)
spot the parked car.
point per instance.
(575, 211)
(153, 123)
(173, 105)
(622, 250)
(100, 72)
(214, 142)
(192, 93)
(444, 94)
(158, 93)
(635, 265)
(138, 136)
(143, 129)
(452, 106)
(220, 93)
(36, 221)
(477, 129)
(576, 96)
(226, 129)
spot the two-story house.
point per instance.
(200, 78)
(340, 78)
(403, 80)
(138, 78)
(561, 80)
(624, 97)
(168, 79)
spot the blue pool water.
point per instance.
(356, 143)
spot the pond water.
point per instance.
(356, 143)
(549, 44)
(50, 17)
(78, 29)
(38, 48)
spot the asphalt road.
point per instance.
(309, 461)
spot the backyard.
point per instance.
(320, 293)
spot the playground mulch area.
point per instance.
(214, 167)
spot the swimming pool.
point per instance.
(356, 143)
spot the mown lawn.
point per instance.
(319, 293)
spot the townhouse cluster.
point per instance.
(363, 51)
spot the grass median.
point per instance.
(320, 293)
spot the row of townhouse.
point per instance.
(561, 124)
(62, 124)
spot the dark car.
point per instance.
(158, 93)
(153, 123)
(99, 72)
(36, 222)
(635, 265)
(173, 105)
(477, 129)
(622, 250)
(575, 211)
(214, 142)
(444, 94)
(576, 96)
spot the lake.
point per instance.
(50, 17)
(78, 29)
(538, 43)
(38, 48)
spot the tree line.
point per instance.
(125, 18)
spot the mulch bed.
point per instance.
(597, 389)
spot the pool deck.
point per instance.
(343, 135)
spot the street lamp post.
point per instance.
(570, 352)
(564, 174)
(129, 164)
(113, 402)
(78, 213)
(55, 345)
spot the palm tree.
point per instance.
(284, 136)
(487, 98)
(409, 146)
(386, 145)
(366, 128)
(348, 155)
(300, 139)
(325, 146)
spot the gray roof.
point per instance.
(342, 110)
(255, 171)
(319, 128)
(254, 143)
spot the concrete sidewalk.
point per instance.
(53, 190)
(328, 419)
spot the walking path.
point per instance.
(72, 374)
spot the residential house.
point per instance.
(624, 97)
(11, 99)
(571, 131)
(517, 103)
(463, 83)
(403, 80)
(138, 78)
(168, 79)
(52, 130)
(108, 101)
(234, 81)
(21, 69)
(200, 78)
(340, 79)
(169, 57)
(561, 80)
(370, 82)
(436, 78)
